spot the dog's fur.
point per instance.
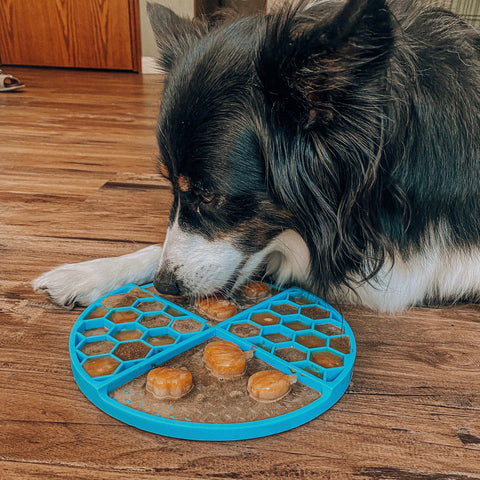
(337, 144)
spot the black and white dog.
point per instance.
(332, 144)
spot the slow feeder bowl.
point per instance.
(117, 340)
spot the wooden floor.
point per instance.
(77, 181)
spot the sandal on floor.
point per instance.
(9, 83)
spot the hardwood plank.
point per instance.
(39, 471)
(121, 203)
(36, 181)
(372, 439)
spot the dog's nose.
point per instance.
(166, 283)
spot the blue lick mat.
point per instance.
(304, 335)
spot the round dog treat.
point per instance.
(269, 385)
(216, 308)
(225, 360)
(254, 289)
(172, 383)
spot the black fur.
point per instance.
(356, 124)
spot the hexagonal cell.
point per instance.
(329, 329)
(301, 300)
(98, 367)
(173, 312)
(245, 330)
(342, 344)
(296, 325)
(131, 350)
(139, 293)
(98, 312)
(123, 316)
(284, 309)
(154, 321)
(92, 332)
(291, 354)
(187, 325)
(277, 337)
(260, 343)
(315, 313)
(326, 359)
(179, 300)
(313, 372)
(97, 348)
(119, 300)
(265, 318)
(157, 340)
(149, 306)
(311, 341)
(128, 334)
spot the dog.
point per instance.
(334, 145)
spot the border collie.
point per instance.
(334, 145)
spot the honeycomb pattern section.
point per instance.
(123, 329)
(297, 330)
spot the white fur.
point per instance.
(438, 273)
(426, 276)
(289, 258)
(82, 283)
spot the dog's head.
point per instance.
(251, 124)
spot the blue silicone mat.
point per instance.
(292, 331)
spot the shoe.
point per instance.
(9, 83)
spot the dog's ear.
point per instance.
(174, 35)
(311, 59)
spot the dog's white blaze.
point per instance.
(203, 266)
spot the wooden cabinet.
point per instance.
(101, 34)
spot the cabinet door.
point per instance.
(70, 33)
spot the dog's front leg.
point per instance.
(82, 283)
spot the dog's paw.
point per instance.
(83, 283)
(74, 284)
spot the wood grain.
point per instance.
(88, 34)
(77, 181)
